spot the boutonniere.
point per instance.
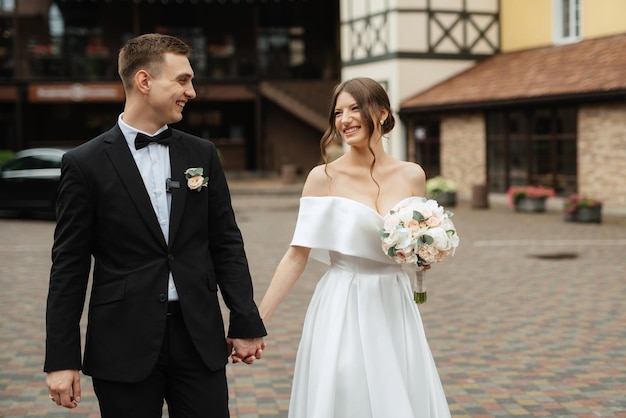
(195, 179)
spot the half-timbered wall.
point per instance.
(410, 45)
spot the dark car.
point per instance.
(29, 181)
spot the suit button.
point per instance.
(162, 297)
(170, 257)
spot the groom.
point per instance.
(155, 214)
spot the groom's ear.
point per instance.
(142, 81)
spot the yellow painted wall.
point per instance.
(526, 24)
(603, 17)
(529, 23)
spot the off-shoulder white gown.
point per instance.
(363, 352)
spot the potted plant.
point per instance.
(529, 198)
(442, 190)
(582, 209)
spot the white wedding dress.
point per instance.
(363, 352)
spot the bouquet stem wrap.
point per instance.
(419, 288)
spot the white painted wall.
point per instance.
(403, 32)
(403, 80)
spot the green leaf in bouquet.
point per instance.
(417, 216)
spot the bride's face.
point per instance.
(349, 120)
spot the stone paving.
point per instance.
(527, 320)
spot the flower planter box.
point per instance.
(531, 204)
(442, 190)
(585, 214)
(529, 198)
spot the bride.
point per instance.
(363, 351)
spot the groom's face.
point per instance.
(171, 88)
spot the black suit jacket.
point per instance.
(104, 211)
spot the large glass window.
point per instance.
(517, 123)
(496, 151)
(79, 40)
(7, 5)
(56, 24)
(532, 147)
(6, 47)
(426, 135)
(281, 51)
(34, 162)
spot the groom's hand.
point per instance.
(64, 387)
(245, 349)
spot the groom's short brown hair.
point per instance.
(145, 52)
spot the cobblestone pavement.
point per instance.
(527, 320)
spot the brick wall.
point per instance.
(602, 153)
(463, 151)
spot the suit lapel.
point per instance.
(178, 159)
(126, 168)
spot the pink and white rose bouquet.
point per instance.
(419, 232)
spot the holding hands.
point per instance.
(245, 350)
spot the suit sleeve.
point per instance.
(230, 261)
(71, 262)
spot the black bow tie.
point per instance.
(142, 140)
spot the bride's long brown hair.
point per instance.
(371, 98)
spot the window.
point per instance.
(281, 51)
(34, 163)
(7, 5)
(566, 21)
(7, 35)
(56, 24)
(426, 133)
(532, 147)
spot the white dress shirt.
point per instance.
(153, 163)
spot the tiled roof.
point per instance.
(587, 67)
(307, 99)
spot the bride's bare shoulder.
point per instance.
(409, 170)
(316, 183)
(411, 174)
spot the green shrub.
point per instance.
(438, 184)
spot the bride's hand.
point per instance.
(245, 350)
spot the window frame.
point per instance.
(574, 20)
(514, 156)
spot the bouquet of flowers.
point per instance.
(416, 233)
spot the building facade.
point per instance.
(264, 69)
(409, 45)
(486, 92)
(549, 109)
(59, 84)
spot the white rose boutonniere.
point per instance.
(195, 178)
